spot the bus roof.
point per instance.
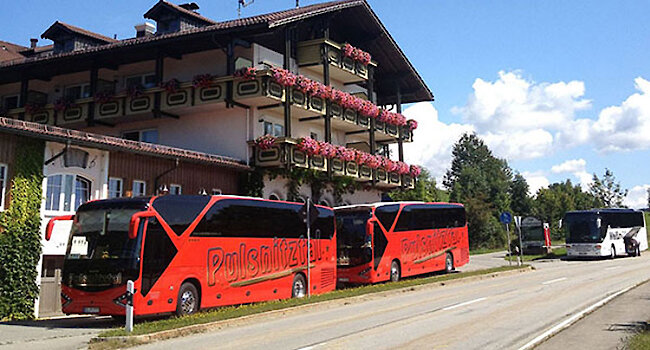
(380, 204)
(604, 211)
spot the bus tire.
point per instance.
(395, 271)
(188, 300)
(612, 255)
(299, 286)
(121, 319)
(638, 251)
(449, 263)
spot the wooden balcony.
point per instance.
(286, 153)
(342, 68)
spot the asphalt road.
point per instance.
(498, 313)
(505, 312)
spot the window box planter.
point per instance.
(394, 178)
(268, 157)
(365, 173)
(214, 93)
(381, 176)
(351, 169)
(140, 104)
(74, 114)
(317, 105)
(337, 111)
(363, 121)
(380, 126)
(350, 115)
(338, 166)
(342, 68)
(406, 134)
(44, 116)
(392, 130)
(297, 157)
(318, 163)
(299, 99)
(408, 181)
(258, 92)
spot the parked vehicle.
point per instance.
(387, 241)
(535, 236)
(605, 232)
(185, 253)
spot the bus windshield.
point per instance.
(583, 228)
(100, 253)
(354, 245)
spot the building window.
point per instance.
(3, 185)
(10, 102)
(66, 192)
(276, 130)
(274, 197)
(115, 186)
(175, 189)
(144, 80)
(75, 92)
(313, 135)
(139, 188)
(216, 192)
(150, 136)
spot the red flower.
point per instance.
(283, 76)
(356, 54)
(415, 170)
(265, 142)
(327, 150)
(247, 73)
(202, 80)
(412, 124)
(309, 146)
(170, 86)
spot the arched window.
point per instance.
(324, 202)
(274, 197)
(66, 192)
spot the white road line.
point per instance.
(463, 304)
(569, 321)
(312, 346)
(553, 281)
(613, 268)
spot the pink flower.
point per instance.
(346, 154)
(265, 142)
(170, 86)
(202, 80)
(247, 73)
(412, 124)
(374, 162)
(415, 170)
(283, 76)
(309, 146)
(402, 168)
(356, 54)
(327, 150)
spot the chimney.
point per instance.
(144, 29)
(32, 43)
(190, 6)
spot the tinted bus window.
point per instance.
(622, 220)
(386, 215)
(159, 251)
(427, 217)
(180, 211)
(324, 225)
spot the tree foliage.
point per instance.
(20, 239)
(520, 201)
(608, 190)
(482, 182)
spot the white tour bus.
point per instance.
(605, 232)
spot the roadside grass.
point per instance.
(229, 312)
(557, 253)
(639, 341)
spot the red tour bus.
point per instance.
(185, 253)
(386, 241)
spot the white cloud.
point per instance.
(637, 197)
(576, 167)
(522, 119)
(625, 127)
(433, 139)
(535, 180)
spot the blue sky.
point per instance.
(533, 78)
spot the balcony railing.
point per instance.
(285, 153)
(342, 68)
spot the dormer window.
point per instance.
(172, 18)
(68, 38)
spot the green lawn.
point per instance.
(224, 313)
(478, 251)
(556, 254)
(640, 341)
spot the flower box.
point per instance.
(318, 162)
(381, 176)
(182, 97)
(258, 92)
(394, 178)
(351, 169)
(317, 104)
(297, 157)
(406, 134)
(380, 126)
(112, 108)
(342, 68)
(392, 130)
(365, 173)
(350, 115)
(363, 121)
(408, 181)
(361, 70)
(348, 65)
(299, 99)
(337, 111)
(338, 166)
(268, 157)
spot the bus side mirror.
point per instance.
(370, 224)
(135, 223)
(50, 225)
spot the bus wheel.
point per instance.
(612, 255)
(395, 272)
(449, 263)
(188, 300)
(638, 251)
(299, 286)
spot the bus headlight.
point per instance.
(598, 246)
(117, 279)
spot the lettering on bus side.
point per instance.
(425, 247)
(264, 260)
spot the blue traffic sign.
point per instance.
(505, 218)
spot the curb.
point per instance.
(204, 327)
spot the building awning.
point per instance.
(110, 143)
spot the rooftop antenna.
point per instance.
(242, 3)
(297, 3)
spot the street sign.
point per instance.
(505, 218)
(313, 213)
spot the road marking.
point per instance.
(613, 268)
(312, 346)
(569, 321)
(553, 281)
(462, 304)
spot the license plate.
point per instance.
(91, 310)
(344, 279)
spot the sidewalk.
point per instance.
(607, 327)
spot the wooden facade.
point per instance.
(8, 144)
(192, 177)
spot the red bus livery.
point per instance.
(190, 252)
(387, 241)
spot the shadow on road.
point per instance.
(88, 322)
